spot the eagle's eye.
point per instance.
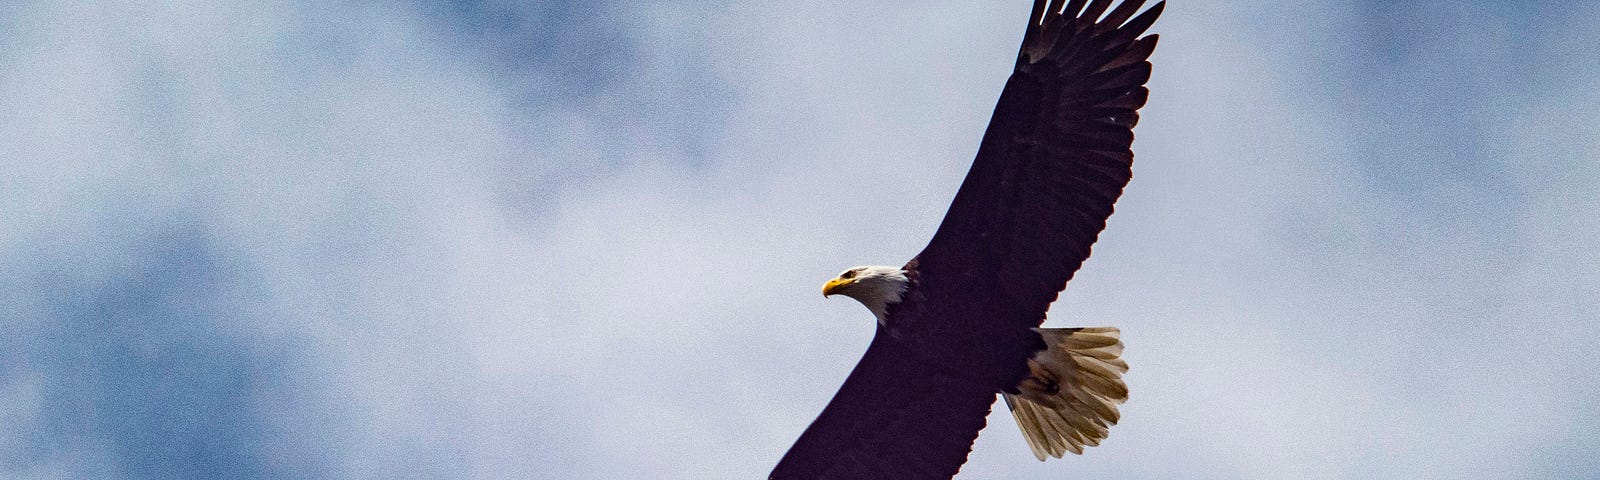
(848, 274)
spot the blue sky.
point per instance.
(584, 239)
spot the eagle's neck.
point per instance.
(879, 289)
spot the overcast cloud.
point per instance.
(584, 239)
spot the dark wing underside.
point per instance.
(1055, 157)
(893, 419)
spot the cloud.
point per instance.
(220, 215)
(583, 240)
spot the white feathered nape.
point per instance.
(875, 286)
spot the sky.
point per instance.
(486, 239)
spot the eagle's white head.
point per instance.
(874, 286)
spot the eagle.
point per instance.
(960, 322)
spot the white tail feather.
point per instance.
(1072, 394)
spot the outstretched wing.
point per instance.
(1055, 157)
(896, 418)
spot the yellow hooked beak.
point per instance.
(835, 285)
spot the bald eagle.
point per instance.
(959, 323)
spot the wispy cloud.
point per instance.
(583, 240)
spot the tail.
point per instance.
(1072, 394)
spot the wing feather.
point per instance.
(897, 417)
(1055, 159)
